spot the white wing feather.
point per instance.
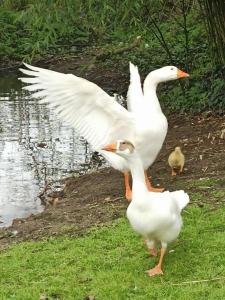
(84, 105)
(135, 92)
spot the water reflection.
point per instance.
(35, 148)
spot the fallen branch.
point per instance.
(114, 200)
(103, 55)
(198, 281)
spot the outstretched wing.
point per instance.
(83, 104)
(135, 93)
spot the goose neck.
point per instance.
(149, 88)
(151, 82)
(138, 177)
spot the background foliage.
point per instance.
(173, 32)
(214, 19)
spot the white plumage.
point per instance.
(155, 216)
(95, 115)
(84, 105)
(99, 118)
(151, 123)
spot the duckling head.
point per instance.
(177, 149)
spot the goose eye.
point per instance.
(171, 69)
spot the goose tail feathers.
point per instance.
(181, 198)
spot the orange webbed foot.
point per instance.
(155, 271)
(173, 173)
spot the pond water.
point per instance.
(35, 149)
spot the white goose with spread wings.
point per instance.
(96, 115)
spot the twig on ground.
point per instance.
(198, 281)
(114, 199)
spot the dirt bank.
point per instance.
(97, 198)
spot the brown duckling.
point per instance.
(176, 161)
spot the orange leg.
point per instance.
(157, 270)
(173, 173)
(128, 193)
(149, 185)
(153, 251)
(181, 168)
(151, 247)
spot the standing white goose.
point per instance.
(156, 216)
(97, 116)
(152, 123)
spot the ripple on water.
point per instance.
(35, 148)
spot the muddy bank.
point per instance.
(98, 198)
(106, 75)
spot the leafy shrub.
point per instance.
(172, 32)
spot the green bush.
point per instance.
(173, 32)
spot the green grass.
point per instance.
(207, 182)
(110, 263)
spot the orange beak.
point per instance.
(110, 147)
(181, 74)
